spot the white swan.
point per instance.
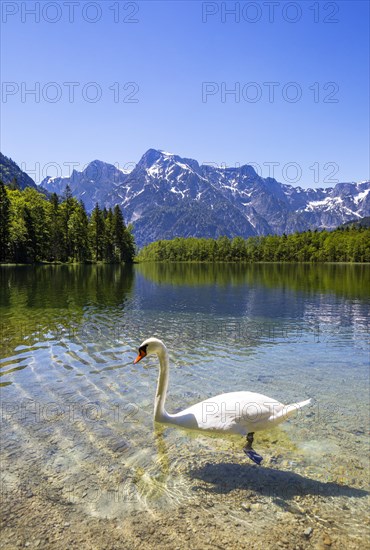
(240, 412)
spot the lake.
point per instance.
(78, 440)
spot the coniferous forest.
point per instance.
(35, 228)
(345, 244)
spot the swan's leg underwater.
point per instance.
(250, 452)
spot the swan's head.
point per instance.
(149, 347)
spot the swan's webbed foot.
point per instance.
(250, 452)
(254, 456)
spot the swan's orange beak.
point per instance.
(141, 356)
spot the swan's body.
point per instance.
(240, 412)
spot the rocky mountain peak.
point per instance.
(167, 195)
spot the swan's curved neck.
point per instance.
(160, 413)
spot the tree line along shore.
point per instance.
(345, 244)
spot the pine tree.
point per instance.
(39, 226)
(66, 213)
(4, 222)
(54, 201)
(129, 245)
(78, 233)
(31, 241)
(109, 255)
(56, 249)
(97, 234)
(123, 241)
(118, 228)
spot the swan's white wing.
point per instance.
(235, 412)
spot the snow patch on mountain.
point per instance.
(326, 203)
(361, 196)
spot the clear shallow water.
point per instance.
(77, 414)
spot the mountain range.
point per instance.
(166, 195)
(11, 173)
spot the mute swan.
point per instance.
(240, 412)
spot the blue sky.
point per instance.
(280, 85)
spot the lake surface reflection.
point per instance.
(77, 414)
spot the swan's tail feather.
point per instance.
(303, 403)
(289, 410)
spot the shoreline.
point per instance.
(189, 262)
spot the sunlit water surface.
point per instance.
(77, 414)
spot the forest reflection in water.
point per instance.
(351, 280)
(38, 300)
